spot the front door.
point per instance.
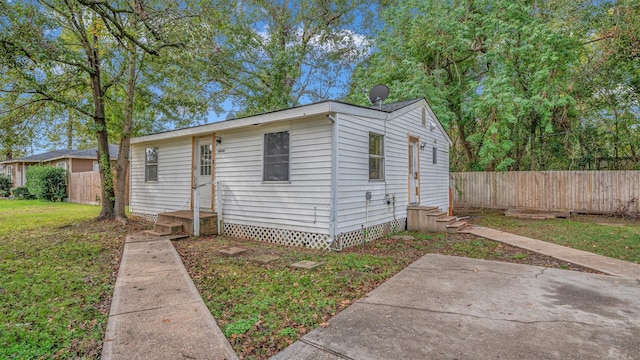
(414, 171)
(204, 169)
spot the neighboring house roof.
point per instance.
(384, 112)
(65, 153)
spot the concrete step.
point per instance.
(456, 226)
(156, 233)
(168, 227)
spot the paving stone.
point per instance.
(351, 273)
(265, 259)
(402, 237)
(231, 251)
(306, 265)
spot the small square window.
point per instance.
(276, 157)
(435, 155)
(151, 164)
(376, 156)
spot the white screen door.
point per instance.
(414, 172)
(204, 169)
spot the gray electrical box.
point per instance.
(368, 195)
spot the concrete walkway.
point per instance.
(589, 260)
(156, 311)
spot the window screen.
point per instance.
(151, 164)
(276, 156)
(376, 156)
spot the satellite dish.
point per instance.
(230, 116)
(378, 93)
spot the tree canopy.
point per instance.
(520, 85)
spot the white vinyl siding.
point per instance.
(172, 191)
(303, 203)
(353, 169)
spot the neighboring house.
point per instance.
(74, 161)
(328, 174)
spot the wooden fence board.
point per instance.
(579, 191)
(85, 188)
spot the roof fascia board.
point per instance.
(276, 116)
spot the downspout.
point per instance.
(334, 181)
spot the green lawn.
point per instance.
(616, 238)
(56, 279)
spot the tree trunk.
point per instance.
(122, 164)
(70, 131)
(106, 177)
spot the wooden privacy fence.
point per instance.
(578, 191)
(84, 188)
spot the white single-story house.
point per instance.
(324, 175)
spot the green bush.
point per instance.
(22, 192)
(47, 182)
(5, 185)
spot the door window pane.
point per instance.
(205, 159)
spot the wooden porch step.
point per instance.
(446, 219)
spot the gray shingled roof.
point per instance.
(391, 107)
(68, 153)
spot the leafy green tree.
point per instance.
(88, 57)
(284, 52)
(494, 72)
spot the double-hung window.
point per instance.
(151, 164)
(376, 156)
(276, 157)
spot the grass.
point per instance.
(612, 237)
(56, 279)
(264, 308)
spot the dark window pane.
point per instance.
(276, 156)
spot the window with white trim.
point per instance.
(276, 156)
(151, 164)
(376, 156)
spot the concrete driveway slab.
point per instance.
(444, 307)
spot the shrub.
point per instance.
(47, 182)
(22, 192)
(5, 185)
